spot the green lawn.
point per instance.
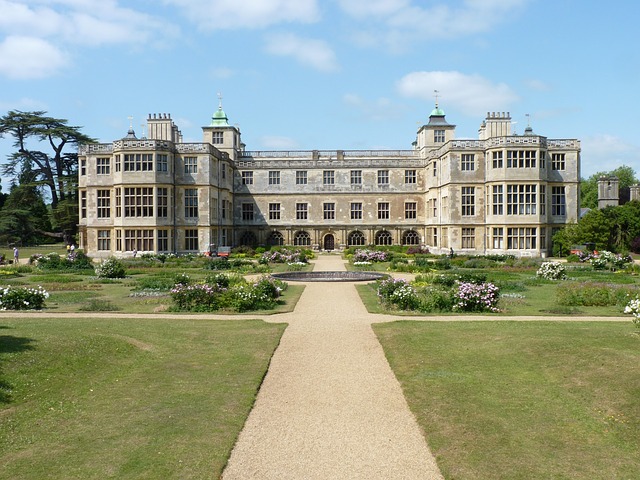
(522, 400)
(135, 398)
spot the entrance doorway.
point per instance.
(329, 242)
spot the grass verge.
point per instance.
(133, 398)
(522, 400)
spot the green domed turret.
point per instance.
(219, 118)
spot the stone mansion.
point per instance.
(501, 193)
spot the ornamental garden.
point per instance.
(599, 284)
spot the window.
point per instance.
(521, 238)
(83, 204)
(162, 162)
(224, 171)
(468, 238)
(118, 166)
(356, 211)
(118, 206)
(543, 160)
(138, 202)
(410, 210)
(103, 166)
(543, 199)
(558, 201)
(468, 201)
(356, 177)
(223, 210)
(438, 136)
(329, 211)
(497, 159)
(138, 162)
(217, 138)
(383, 211)
(435, 168)
(383, 238)
(410, 176)
(543, 237)
(435, 237)
(190, 203)
(274, 177)
(83, 167)
(162, 202)
(302, 239)
(410, 237)
(521, 200)
(383, 177)
(247, 177)
(104, 240)
(557, 161)
(247, 211)
(140, 240)
(521, 158)
(328, 177)
(498, 238)
(498, 200)
(104, 203)
(163, 240)
(468, 162)
(190, 164)
(275, 238)
(301, 177)
(274, 211)
(356, 238)
(118, 240)
(191, 239)
(302, 211)
(434, 207)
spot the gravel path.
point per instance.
(330, 406)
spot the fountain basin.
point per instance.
(328, 276)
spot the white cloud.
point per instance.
(313, 53)
(472, 94)
(229, 14)
(278, 143)
(402, 23)
(40, 31)
(538, 85)
(376, 110)
(605, 152)
(29, 58)
(24, 104)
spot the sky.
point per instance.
(330, 74)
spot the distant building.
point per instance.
(501, 193)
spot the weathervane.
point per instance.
(436, 93)
(219, 100)
(130, 117)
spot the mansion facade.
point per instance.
(502, 193)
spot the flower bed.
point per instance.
(13, 298)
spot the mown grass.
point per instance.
(135, 398)
(522, 400)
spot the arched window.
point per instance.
(248, 239)
(275, 239)
(383, 238)
(410, 237)
(355, 239)
(302, 239)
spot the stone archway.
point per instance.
(329, 242)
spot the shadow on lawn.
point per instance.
(10, 344)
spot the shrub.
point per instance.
(552, 271)
(608, 260)
(217, 263)
(365, 255)
(436, 300)
(98, 305)
(110, 268)
(284, 256)
(195, 298)
(472, 297)
(633, 307)
(593, 294)
(23, 298)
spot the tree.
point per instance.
(56, 171)
(589, 187)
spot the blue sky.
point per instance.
(330, 74)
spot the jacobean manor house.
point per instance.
(501, 193)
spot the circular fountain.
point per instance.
(328, 276)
